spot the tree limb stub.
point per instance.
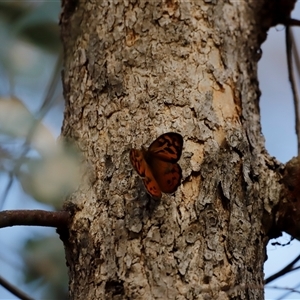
(58, 219)
(288, 210)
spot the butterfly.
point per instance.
(158, 165)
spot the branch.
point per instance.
(284, 296)
(292, 22)
(293, 290)
(15, 291)
(58, 219)
(287, 212)
(290, 41)
(288, 268)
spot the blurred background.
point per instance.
(32, 258)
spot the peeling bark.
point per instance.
(135, 70)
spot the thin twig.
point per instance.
(284, 296)
(288, 268)
(289, 44)
(58, 219)
(7, 189)
(45, 107)
(297, 63)
(292, 290)
(14, 290)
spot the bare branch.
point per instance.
(293, 290)
(58, 219)
(289, 44)
(284, 296)
(7, 189)
(292, 22)
(288, 268)
(14, 290)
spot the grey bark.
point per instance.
(135, 70)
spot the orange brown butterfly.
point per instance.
(158, 165)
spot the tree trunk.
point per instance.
(137, 69)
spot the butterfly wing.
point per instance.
(139, 163)
(168, 175)
(167, 147)
(157, 166)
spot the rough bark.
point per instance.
(137, 69)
